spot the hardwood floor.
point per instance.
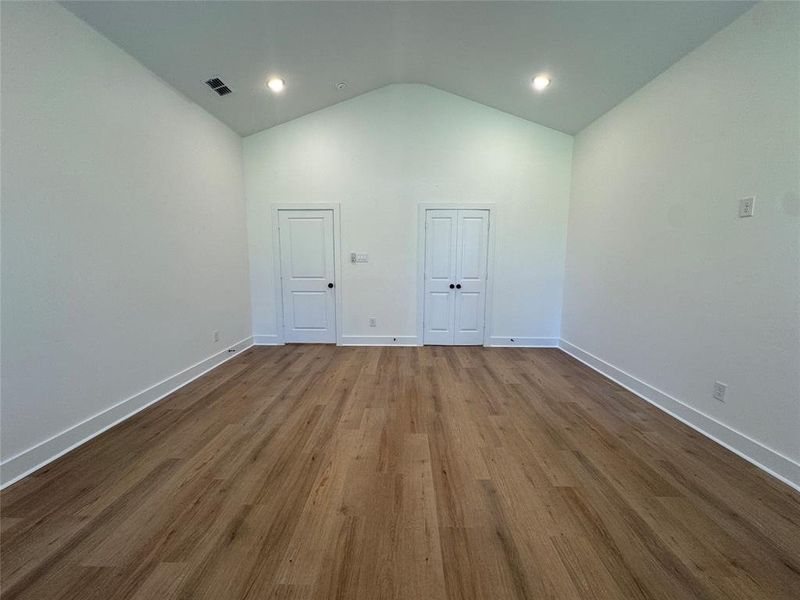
(423, 473)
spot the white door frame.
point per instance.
(422, 207)
(276, 260)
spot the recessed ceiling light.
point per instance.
(540, 82)
(276, 84)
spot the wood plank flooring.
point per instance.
(317, 472)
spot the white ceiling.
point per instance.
(598, 52)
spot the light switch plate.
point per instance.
(746, 206)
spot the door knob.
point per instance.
(458, 286)
(330, 285)
(452, 286)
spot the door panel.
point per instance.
(440, 270)
(442, 242)
(309, 310)
(307, 267)
(470, 298)
(472, 253)
(308, 251)
(469, 316)
(439, 317)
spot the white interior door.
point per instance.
(441, 232)
(456, 250)
(307, 275)
(470, 295)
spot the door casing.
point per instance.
(276, 261)
(422, 209)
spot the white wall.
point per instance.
(664, 282)
(381, 154)
(123, 233)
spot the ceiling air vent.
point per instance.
(216, 84)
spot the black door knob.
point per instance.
(458, 286)
(452, 286)
(330, 285)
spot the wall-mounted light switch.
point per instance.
(358, 257)
(746, 206)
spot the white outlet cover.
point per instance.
(719, 391)
(747, 206)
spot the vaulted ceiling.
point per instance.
(597, 53)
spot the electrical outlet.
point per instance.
(373, 322)
(719, 391)
(215, 335)
(746, 206)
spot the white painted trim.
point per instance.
(267, 339)
(26, 462)
(379, 340)
(510, 341)
(276, 271)
(494, 212)
(776, 464)
(337, 259)
(488, 307)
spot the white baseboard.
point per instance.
(412, 340)
(499, 341)
(346, 340)
(28, 461)
(379, 340)
(767, 459)
(269, 339)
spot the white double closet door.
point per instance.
(456, 251)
